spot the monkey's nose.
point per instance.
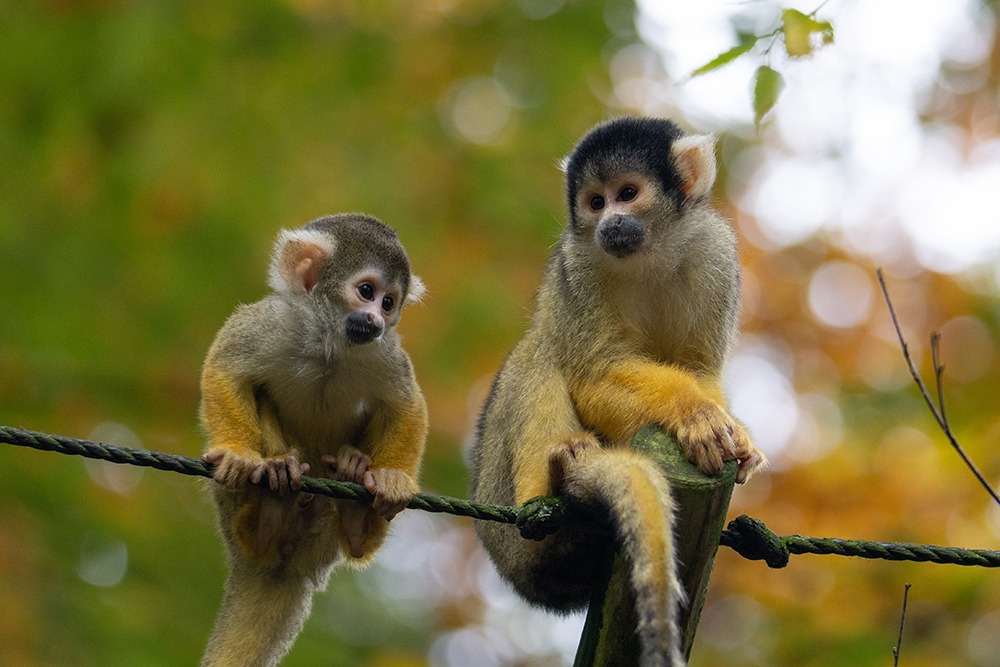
(620, 235)
(362, 327)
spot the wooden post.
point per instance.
(609, 637)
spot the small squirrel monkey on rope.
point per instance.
(310, 378)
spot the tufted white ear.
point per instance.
(694, 156)
(298, 260)
(416, 291)
(563, 164)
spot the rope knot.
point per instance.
(753, 540)
(541, 516)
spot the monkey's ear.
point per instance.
(298, 261)
(416, 291)
(563, 164)
(694, 156)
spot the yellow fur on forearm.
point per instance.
(229, 414)
(630, 394)
(396, 438)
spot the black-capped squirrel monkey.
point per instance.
(310, 378)
(635, 316)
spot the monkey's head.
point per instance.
(351, 269)
(630, 181)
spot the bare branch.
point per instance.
(938, 373)
(937, 409)
(902, 620)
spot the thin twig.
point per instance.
(938, 373)
(937, 409)
(902, 620)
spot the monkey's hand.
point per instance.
(710, 436)
(393, 490)
(349, 465)
(234, 470)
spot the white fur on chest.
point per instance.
(324, 406)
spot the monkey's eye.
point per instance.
(388, 303)
(596, 203)
(366, 291)
(627, 193)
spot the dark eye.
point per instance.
(596, 203)
(627, 193)
(366, 291)
(388, 303)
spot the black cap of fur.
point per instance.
(625, 144)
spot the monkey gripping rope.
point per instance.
(539, 517)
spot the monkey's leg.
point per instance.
(527, 418)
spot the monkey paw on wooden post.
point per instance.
(609, 636)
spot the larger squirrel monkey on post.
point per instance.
(311, 377)
(635, 316)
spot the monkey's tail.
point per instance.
(260, 616)
(638, 496)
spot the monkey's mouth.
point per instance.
(360, 330)
(621, 235)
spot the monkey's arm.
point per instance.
(394, 443)
(528, 418)
(244, 442)
(395, 437)
(630, 393)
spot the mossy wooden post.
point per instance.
(609, 638)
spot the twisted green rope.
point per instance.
(188, 466)
(540, 516)
(753, 540)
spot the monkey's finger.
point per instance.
(370, 484)
(729, 442)
(379, 503)
(257, 473)
(295, 476)
(748, 465)
(272, 477)
(329, 465)
(213, 457)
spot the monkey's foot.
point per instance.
(233, 470)
(565, 456)
(283, 522)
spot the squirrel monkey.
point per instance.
(635, 315)
(311, 377)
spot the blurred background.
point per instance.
(150, 151)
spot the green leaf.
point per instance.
(798, 30)
(767, 86)
(724, 58)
